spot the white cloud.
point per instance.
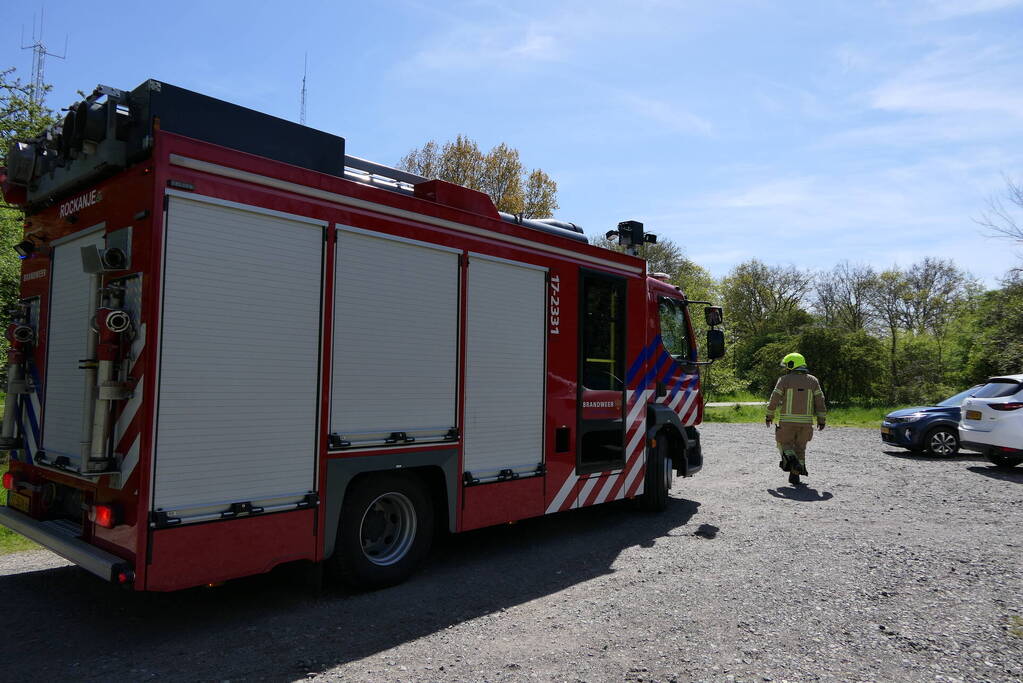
(961, 77)
(949, 9)
(473, 47)
(485, 35)
(669, 116)
(962, 91)
(787, 192)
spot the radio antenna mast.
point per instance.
(305, 66)
(39, 54)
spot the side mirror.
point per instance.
(715, 343)
(713, 315)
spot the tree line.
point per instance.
(913, 334)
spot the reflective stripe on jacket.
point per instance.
(799, 397)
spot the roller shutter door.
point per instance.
(505, 367)
(240, 344)
(70, 317)
(395, 358)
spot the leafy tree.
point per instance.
(21, 114)
(499, 173)
(760, 362)
(762, 299)
(719, 380)
(540, 195)
(923, 300)
(920, 379)
(842, 296)
(992, 337)
(21, 117)
(936, 289)
(933, 287)
(888, 303)
(849, 365)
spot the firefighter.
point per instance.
(799, 397)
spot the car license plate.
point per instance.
(886, 430)
(18, 501)
(972, 414)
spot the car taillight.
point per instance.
(1015, 405)
(105, 516)
(8, 481)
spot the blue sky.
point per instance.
(801, 133)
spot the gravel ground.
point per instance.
(888, 567)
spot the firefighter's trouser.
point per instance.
(793, 436)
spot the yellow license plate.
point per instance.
(18, 501)
(886, 430)
(972, 414)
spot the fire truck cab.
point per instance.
(237, 347)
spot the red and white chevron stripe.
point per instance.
(686, 403)
(128, 425)
(601, 487)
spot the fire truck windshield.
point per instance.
(674, 330)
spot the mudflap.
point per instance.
(686, 454)
(694, 454)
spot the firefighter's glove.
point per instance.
(768, 420)
(820, 426)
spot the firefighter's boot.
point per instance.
(790, 463)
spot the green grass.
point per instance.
(735, 397)
(11, 542)
(839, 416)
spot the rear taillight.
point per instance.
(1015, 405)
(8, 481)
(104, 516)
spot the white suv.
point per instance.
(991, 421)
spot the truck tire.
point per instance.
(657, 480)
(385, 531)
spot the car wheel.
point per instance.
(1006, 462)
(658, 477)
(942, 442)
(385, 532)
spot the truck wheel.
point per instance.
(1006, 462)
(657, 480)
(942, 442)
(385, 531)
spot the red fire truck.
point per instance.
(238, 347)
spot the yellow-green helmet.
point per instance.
(793, 361)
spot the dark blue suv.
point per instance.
(933, 429)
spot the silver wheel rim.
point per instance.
(943, 443)
(388, 528)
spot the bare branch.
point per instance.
(1001, 220)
